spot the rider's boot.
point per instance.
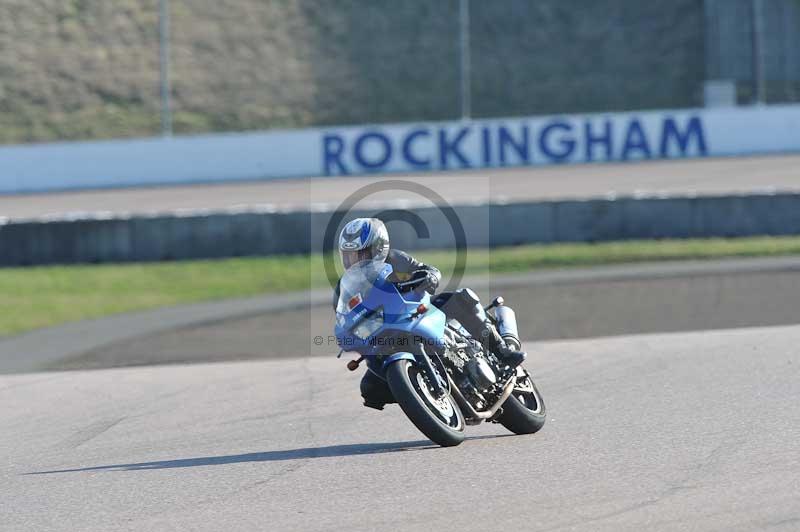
(492, 341)
(375, 391)
(465, 307)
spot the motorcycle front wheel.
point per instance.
(439, 419)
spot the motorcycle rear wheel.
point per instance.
(524, 411)
(440, 420)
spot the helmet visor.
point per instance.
(354, 256)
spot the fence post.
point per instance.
(791, 40)
(466, 103)
(164, 67)
(757, 9)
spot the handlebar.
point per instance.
(410, 283)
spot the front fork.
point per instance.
(436, 377)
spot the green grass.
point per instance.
(42, 296)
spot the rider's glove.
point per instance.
(427, 280)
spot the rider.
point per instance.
(366, 239)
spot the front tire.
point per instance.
(524, 411)
(440, 420)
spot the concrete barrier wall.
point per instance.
(231, 234)
(404, 148)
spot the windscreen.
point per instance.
(356, 284)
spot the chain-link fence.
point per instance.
(755, 44)
(95, 69)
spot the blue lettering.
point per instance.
(408, 154)
(604, 140)
(635, 139)
(380, 161)
(332, 148)
(486, 135)
(452, 146)
(567, 144)
(521, 147)
(694, 129)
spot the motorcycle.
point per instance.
(442, 378)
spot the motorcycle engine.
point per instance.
(469, 368)
(481, 374)
(456, 351)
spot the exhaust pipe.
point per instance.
(486, 414)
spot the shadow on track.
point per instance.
(270, 456)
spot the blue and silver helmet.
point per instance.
(363, 239)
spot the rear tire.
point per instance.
(524, 411)
(443, 424)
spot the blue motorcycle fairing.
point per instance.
(399, 316)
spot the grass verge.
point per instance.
(31, 298)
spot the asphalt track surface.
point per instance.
(550, 304)
(592, 302)
(689, 431)
(702, 177)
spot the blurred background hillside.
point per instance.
(86, 69)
